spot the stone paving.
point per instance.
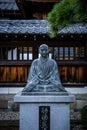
(14, 116)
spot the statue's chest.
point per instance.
(45, 67)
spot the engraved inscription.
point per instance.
(44, 118)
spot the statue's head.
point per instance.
(44, 50)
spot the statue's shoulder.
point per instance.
(35, 61)
(52, 60)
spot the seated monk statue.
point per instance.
(43, 75)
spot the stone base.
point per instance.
(44, 112)
(45, 93)
(43, 89)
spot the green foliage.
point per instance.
(84, 116)
(65, 13)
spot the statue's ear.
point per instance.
(48, 50)
(39, 50)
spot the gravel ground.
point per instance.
(9, 115)
(12, 116)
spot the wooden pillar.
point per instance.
(86, 52)
(35, 50)
(85, 68)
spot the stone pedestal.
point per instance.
(44, 112)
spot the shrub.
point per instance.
(84, 116)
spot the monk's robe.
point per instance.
(43, 74)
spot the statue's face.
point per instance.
(44, 51)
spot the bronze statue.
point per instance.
(43, 75)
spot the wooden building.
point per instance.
(9, 10)
(35, 9)
(20, 39)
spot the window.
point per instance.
(69, 53)
(16, 53)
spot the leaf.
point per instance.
(66, 13)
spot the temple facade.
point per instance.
(23, 27)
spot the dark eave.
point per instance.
(43, 0)
(38, 29)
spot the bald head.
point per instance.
(44, 50)
(43, 46)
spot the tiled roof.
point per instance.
(24, 26)
(37, 27)
(74, 29)
(8, 5)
